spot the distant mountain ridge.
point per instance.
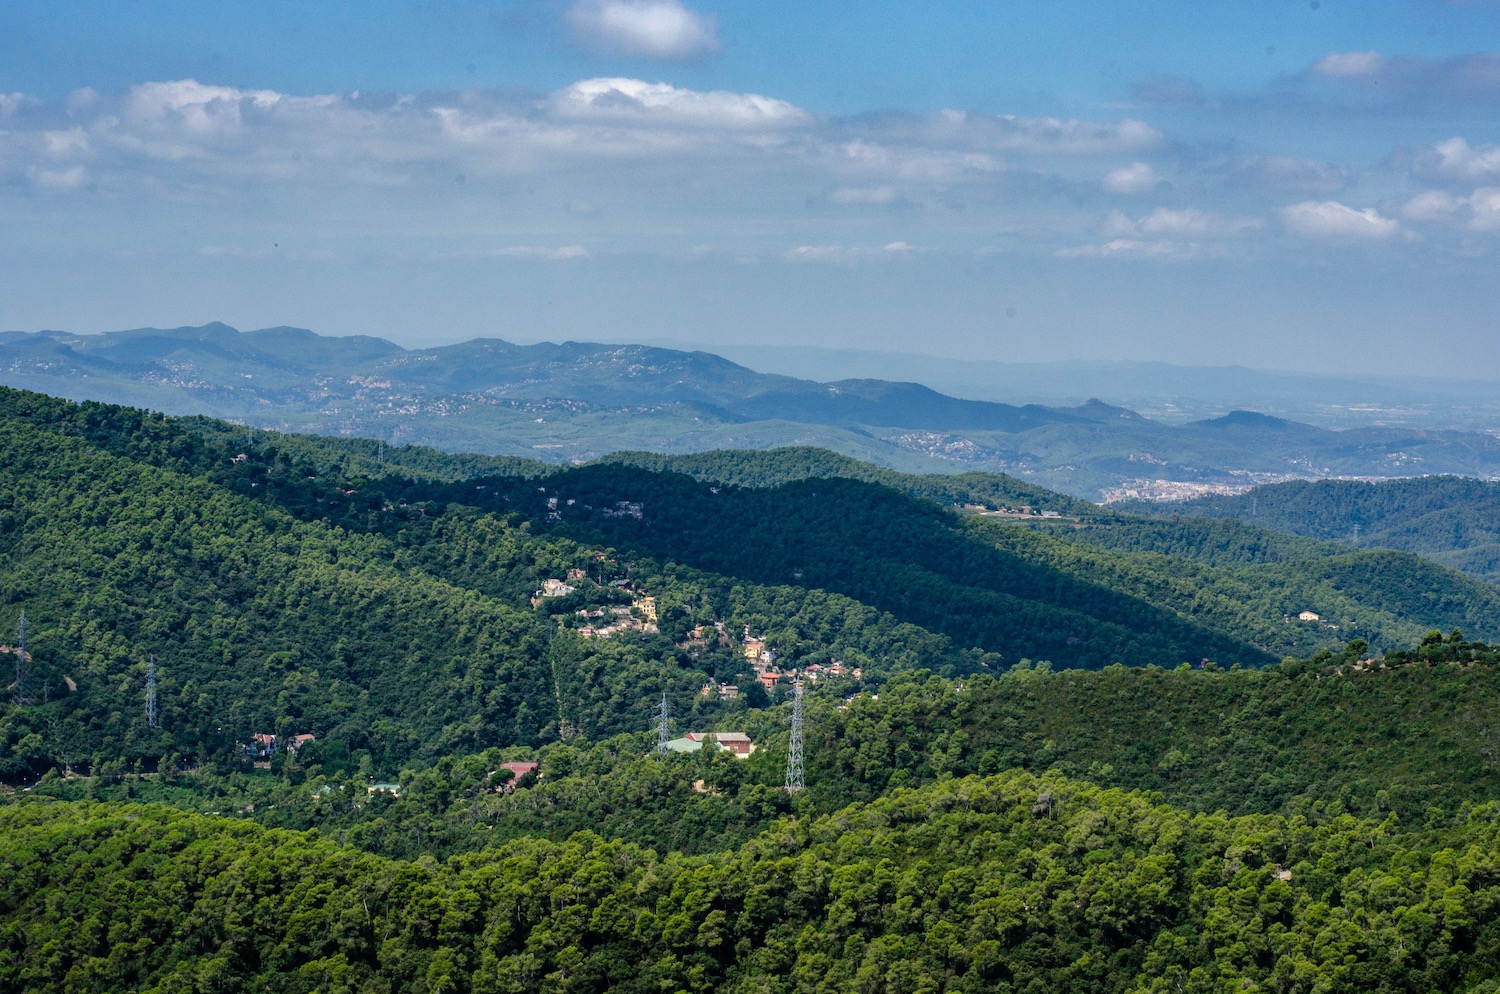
(1174, 393)
(601, 375)
(576, 401)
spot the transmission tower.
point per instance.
(151, 693)
(795, 779)
(663, 729)
(18, 694)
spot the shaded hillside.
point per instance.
(898, 553)
(769, 468)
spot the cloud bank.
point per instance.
(618, 164)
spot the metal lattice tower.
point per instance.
(18, 694)
(663, 727)
(151, 694)
(795, 777)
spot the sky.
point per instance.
(1309, 185)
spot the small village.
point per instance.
(603, 622)
(606, 621)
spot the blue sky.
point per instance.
(1288, 185)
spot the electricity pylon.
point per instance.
(795, 777)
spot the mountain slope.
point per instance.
(288, 586)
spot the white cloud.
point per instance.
(659, 29)
(1046, 135)
(1414, 81)
(1138, 177)
(1166, 234)
(10, 103)
(819, 253)
(1280, 172)
(1484, 207)
(159, 99)
(1454, 158)
(1433, 205)
(1128, 247)
(633, 99)
(845, 255)
(1479, 211)
(1331, 219)
(630, 163)
(561, 254)
(909, 162)
(1347, 65)
(1198, 223)
(58, 179)
(73, 141)
(1186, 223)
(184, 139)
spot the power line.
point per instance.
(151, 693)
(19, 694)
(663, 728)
(795, 777)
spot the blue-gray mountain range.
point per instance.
(576, 401)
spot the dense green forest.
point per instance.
(1008, 883)
(992, 804)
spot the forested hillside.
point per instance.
(1009, 883)
(1412, 733)
(1453, 520)
(385, 602)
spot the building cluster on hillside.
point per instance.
(1173, 490)
(721, 689)
(762, 659)
(640, 616)
(621, 509)
(702, 635)
(1311, 617)
(509, 785)
(518, 770)
(626, 509)
(264, 745)
(737, 744)
(1023, 511)
(607, 620)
